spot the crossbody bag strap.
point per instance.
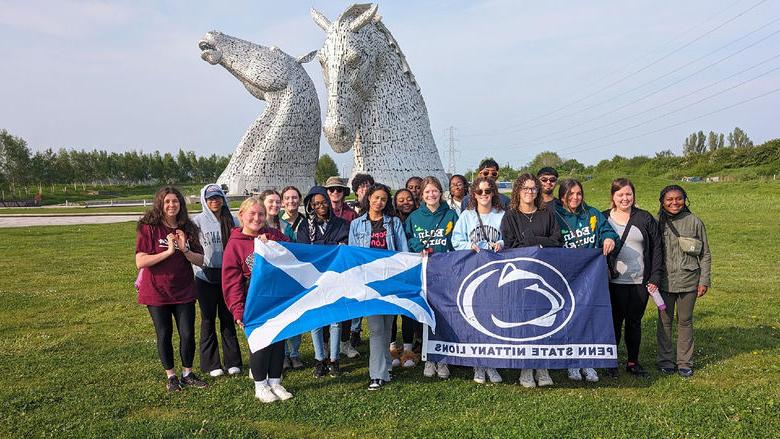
(672, 228)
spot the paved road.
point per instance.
(64, 220)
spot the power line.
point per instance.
(635, 72)
(728, 107)
(607, 113)
(583, 110)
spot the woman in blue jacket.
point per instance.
(582, 226)
(378, 228)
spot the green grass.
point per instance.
(78, 355)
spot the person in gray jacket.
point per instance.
(378, 228)
(215, 223)
(687, 262)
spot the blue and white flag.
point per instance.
(295, 288)
(522, 308)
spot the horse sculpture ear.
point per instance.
(320, 19)
(308, 57)
(364, 18)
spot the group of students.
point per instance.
(667, 256)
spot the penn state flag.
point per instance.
(295, 288)
(521, 308)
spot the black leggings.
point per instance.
(628, 303)
(267, 362)
(408, 329)
(212, 305)
(184, 314)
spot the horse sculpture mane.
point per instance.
(281, 147)
(374, 102)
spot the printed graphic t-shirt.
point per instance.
(378, 234)
(170, 281)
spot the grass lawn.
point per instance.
(78, 355)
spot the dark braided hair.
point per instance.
(663, 217)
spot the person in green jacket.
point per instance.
(687, 262)
(583, 226)
(429, 230)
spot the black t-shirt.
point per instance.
(378, 234)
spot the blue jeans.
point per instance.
(291, 346)
(319, 342)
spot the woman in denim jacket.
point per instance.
(378, 228)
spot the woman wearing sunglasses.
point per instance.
(479, 228)
(528, 224)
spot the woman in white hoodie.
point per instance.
(215, 223)
(479, 228)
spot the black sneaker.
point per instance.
(333, 369)
(355, 340)
(320, 370)
(375, 384)
(193, 381)
(173, 384)
(667, 370)
(685, 373)
(612, 372)
(636, 369)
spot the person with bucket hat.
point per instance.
(337, 191)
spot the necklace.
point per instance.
(531, 217)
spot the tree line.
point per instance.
(19, 166)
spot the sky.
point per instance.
(587, 80)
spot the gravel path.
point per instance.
(64, 220)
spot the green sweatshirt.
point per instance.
(585, 228)
(426, 229)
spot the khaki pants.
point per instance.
(684, 303)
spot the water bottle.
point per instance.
(659, 301)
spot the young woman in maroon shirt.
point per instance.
(166, 247)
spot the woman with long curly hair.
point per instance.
(528, 224)
(166, 248)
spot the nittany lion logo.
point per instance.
(535, 299)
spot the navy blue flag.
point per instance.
(521, 308)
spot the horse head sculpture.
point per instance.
(282, 146)
(374, 104)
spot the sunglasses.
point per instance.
(483, 191)
(336, 189)
(486, 173)
(548, 179)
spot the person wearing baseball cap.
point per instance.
(548, 177)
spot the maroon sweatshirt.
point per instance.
(237, 267)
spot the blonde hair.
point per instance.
(246, 204)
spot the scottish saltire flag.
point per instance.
(521, 308)
(295, 288)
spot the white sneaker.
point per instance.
(281, 392)
(348, 350)
(251, 377)
(396, 362)
(217, 373)
(575, 375)
(543, 378)
(479, 375)
(527, 378)
(263, 393)
(430, 369)
(442, 370)
(493, 375)
(234, 370)
(591, 375)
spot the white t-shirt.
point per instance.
(630, 261)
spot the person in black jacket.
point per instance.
(527, 224)
(323, 227)
(635, 270)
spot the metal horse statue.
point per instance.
(282, 146)
(374, 103)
